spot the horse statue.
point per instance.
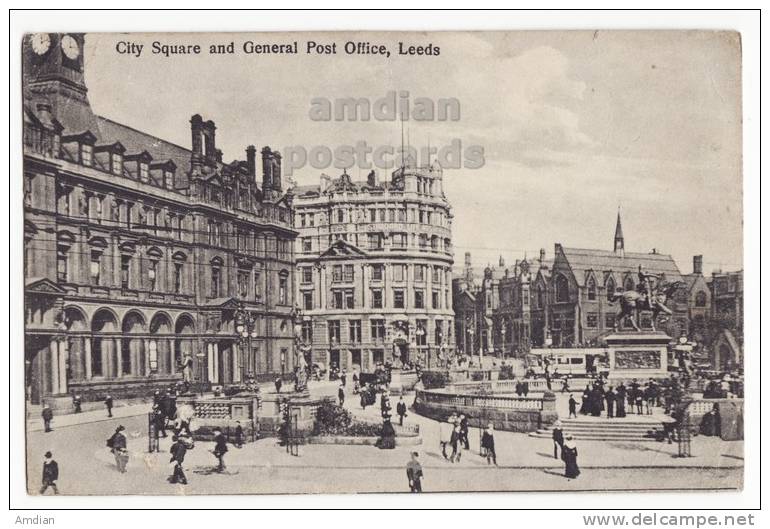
(633, 302)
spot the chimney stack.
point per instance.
(697, 264)
(371, 178)
(251, 160)
(196, 129)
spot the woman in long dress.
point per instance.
(569, 456)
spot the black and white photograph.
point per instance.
(350, 262)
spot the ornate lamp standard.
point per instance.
(502, 338)
(245, 326)
(419, 333)
(471, 332)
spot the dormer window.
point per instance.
(168, 179)
(144, 172)
(86, 154)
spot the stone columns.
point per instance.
(87, 357)
(63, 356)
(53, 363)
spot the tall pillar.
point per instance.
(210, 353)
(118, 356)
(147, 350)
(133, 357)
(87, 349)
(237, 362)
(215, 354)
(63, 354)
(77, 368)
(170, 363)
(53, 364)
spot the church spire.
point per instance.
(619, 244)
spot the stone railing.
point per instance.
(535, 385)
(500, 402)
(223, 408)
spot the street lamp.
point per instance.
(502, 337)
(245, 326)
(471, 332)
(420, 332)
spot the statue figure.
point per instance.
(633, 302)
(187, 370)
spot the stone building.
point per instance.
(138, 253)
(374, 269)
(726, 323)
(580, 306)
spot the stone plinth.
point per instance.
(638, 354)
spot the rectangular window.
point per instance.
(375, 241)
(307, 331)
(307, 274)
(348, 273)
(152, 274)
(609, 321)
(257, 285)
(337, 273)
(435, 300)
(392, 215)
(96, 267)
(377, 272)
(178, 268)
(592, 320)
(307, 300)
(337, 299)
(283, 290)
(216, 279)
(61, 264)
(349, 299)
(117, 164)
(438, 334)
(372, 215)
(376, 298)
(307, 244)
(302, 220)
(382, 215)
(243, 283)
(354, 326)
(86, 155)
(419, 299)
(436, 275)
(421, 335)
(378, 330)
(334, 331)
(144, 172)
(398, 299)
(399, 240)
(419, 273)
(311, 219)
(125, 271)
(168, 178)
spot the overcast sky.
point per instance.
(574, 124)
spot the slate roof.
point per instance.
(599, 261)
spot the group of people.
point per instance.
(454, 433)
(621, 399)
(565, 444)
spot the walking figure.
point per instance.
(238, 435)
(220, 449)
(455, 442)
(464, 432)
(401, 410)
(414, 473)
(108, 404)
(341, 394)
(119, 448)
(47, 417)
(488, 444)
(558, 439)
(445, 435)
(572, 407)
(569, 456)
(50, 474)
(178, 451)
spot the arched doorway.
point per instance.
(78, 338)
(103, 361)
(133, 353)
(161, 345)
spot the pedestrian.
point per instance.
(454, 440)
(343, 378)
(108, 404)
(77, 403)
(572, 407)
(220, 449)
(584, 401)
(401, 410)
(119, 448)
(620, 401)
(238, 435)
(414, 473)
(445, 435)
(569, 456)
(178, 451)
(159, 421)
(558, 439)
(464, 431)
(565, 384)
(610, 398)
(488, 444)
(639, 402)
(364, 398)
(50, 474)
(341, 394)
(278, 384)
(47, 417)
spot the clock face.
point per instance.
(41, 42)
(70, 47)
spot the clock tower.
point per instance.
(52, 66)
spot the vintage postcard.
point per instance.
(272, 263)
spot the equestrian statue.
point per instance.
(651, 294)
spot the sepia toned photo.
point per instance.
(382, 262)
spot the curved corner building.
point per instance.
(374, 263)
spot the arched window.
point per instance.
(561, 285)
(591, 289)
(700, 299)
(610, 288)
(216, 277)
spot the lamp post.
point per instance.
(502, 337)
(245, 326)
(420, 332)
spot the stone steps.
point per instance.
(611, 430)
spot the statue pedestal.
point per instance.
(638, 354)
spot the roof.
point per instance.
(582, 260)
(136, 141)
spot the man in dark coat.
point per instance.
(572, 406)
(610, 398)
(118, 445)
(341, 394)
(278, 384)
(47, 417)
(620, 401)
(178, 451)
(488, 444)
(159, 420)
(220, 449)
(414, 473)
(558, 439)
(401, 410)
(464, 431)
(50, 474)
(108, 404)
(238, 435)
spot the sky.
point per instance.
(574, 125)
